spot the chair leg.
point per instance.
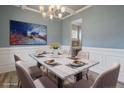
(19, 83)
(87, 76)
(20, 86)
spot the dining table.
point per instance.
(63, 66)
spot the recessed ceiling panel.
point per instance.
(70, 8)
(65, 14)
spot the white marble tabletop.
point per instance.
(62, 70)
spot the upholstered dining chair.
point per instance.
(35, 71)
(85, 55)
(107, 79)
(28, 82)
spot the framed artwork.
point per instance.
(23, 33)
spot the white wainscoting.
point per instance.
(7, 62)
(106, 57)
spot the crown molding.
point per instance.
(80, 10)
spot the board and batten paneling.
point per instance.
(105, 56)
(6, 61)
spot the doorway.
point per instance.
(76, 36)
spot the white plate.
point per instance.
(51, 63)
(80, 64)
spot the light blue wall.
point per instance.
(14, 13)
(103, 26)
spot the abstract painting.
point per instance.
(23, 33)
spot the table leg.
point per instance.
(78, 76)
(60, 83)
(38, 64)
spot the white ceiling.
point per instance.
(70, 9)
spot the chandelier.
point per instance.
(52, 11)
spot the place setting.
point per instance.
(76, 64)
(40, 54)
(52, 62)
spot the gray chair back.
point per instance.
(83, 54)
(24, 75)
(16, 58)
(108, 79)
